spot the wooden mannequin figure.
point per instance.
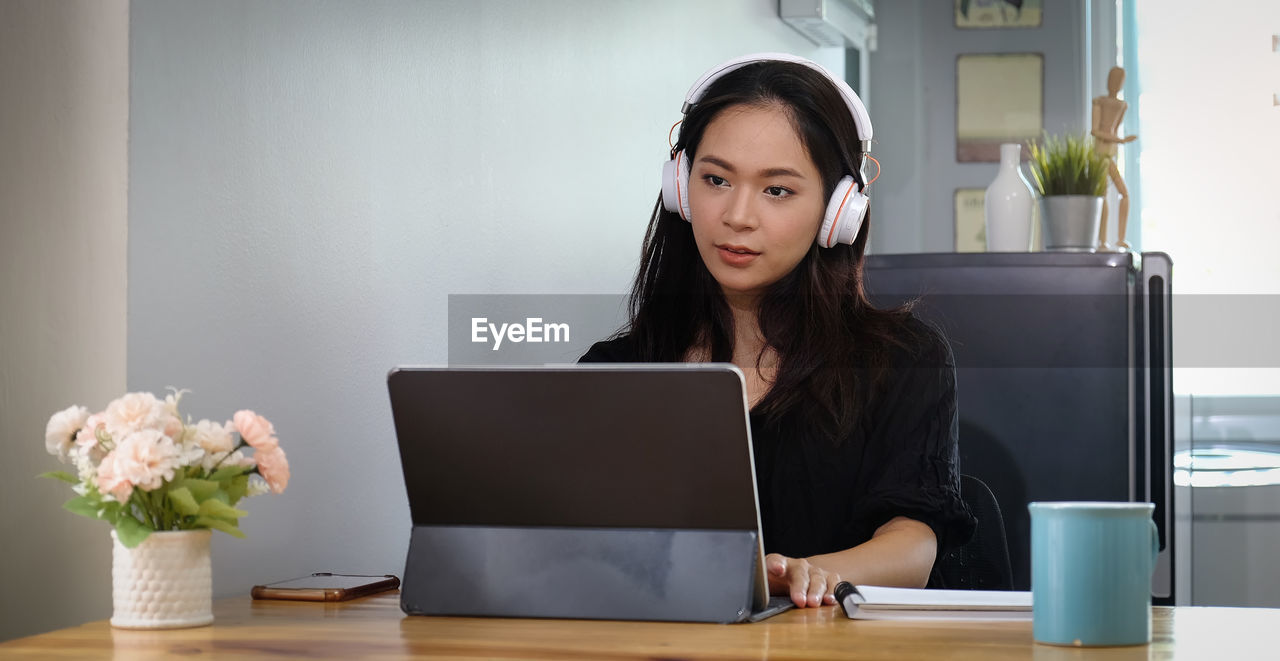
(1108, 111)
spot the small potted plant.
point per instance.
(1071, 179)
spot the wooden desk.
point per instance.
(374, 628)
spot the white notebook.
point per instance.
(870, 602)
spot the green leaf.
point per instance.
(236, 489)
(82, 506)
(110, 512)
(216, 508)
(200, 489)
(1068, 165)
(183, 502)
(228, 472)
(130, 531)
(62, 476)
(219, 524)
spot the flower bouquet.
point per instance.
(143, 469)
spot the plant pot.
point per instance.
(1069, 223)
(163, 583)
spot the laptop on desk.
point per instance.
(617, 491)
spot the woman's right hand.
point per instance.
(809, 585)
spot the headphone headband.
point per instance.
(856, 108)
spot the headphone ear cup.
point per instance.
(845, 211)
(675, 185)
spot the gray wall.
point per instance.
(311, 180)
(913, 76)
(63, 114)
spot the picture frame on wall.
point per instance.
(971, 222)
(989, 14)
(999, 98)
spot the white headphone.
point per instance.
(848, 204)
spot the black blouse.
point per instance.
(817, 496)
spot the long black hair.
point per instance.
(833, 346)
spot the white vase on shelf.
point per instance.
(1008, 204)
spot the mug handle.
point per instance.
(1155, 543)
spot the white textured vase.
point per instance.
(1008, 204)
(163, 583)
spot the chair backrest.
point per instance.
(982, 563)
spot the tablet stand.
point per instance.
(627, 574)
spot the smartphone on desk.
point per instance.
(325, 586)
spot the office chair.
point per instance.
(982, 563)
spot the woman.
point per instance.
(853, 415)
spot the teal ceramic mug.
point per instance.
(1091, 566)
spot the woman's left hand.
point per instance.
(808, 585)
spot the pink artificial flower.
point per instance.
(133, 412)
(87, 450)
(87, 437)
(274, 468)
(256, 430)
(110, 481)
(173, 427)
(147, 459)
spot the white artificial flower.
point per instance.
(86, 460)
(62, 428)
(172, 399)
(213, 437)
(257, 486)
(212, 462)
(191, 454)
(237, 458)
(134, 412)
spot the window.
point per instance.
(1208, 147)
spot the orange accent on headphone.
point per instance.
(680, 196)
(671, 144)
(679, 158)
(835, 221)
(873, 160)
